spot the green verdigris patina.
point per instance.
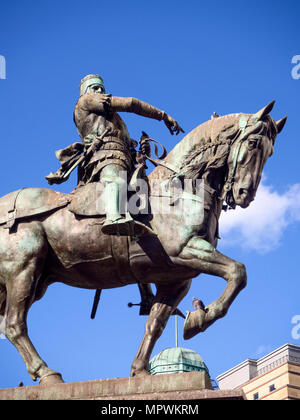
(51, 241)
(177, 360)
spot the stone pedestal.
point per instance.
(179, 386)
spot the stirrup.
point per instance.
(125, 227)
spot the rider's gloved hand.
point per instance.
(172, 125)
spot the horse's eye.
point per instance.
(252, 144)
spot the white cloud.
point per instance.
(263, 350)
(261, 226)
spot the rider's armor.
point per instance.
(108, 149)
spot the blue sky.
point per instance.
(190, 59)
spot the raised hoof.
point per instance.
(194, 324)
(51, 379)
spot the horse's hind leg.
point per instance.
(21, 277)
(166, 300)
(20, 296)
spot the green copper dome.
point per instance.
(176, 360)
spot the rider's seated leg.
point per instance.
(118, 219)
(114, 177)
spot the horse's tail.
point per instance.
(2, 309)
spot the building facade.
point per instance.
(275, 376)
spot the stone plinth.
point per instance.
(178, 386)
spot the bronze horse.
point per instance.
(55, 245)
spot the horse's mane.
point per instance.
(204, 148)
(212, 151)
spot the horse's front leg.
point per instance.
(166, 300)
(201, 255)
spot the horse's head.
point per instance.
(249, 152)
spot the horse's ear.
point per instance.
(280, 124)
(264, 111)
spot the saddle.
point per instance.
(88, 200)
(84, 201)
(28, 202)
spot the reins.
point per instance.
(229, 182)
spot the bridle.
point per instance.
(242, 134)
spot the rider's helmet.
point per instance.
(89, 80)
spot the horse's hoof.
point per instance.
(194, 324)
(139, 373)
(138, 368)
(51, 379)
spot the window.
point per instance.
(255, 396)
(272, 388)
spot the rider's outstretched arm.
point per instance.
(137, 107)
(144, 109)
(98, 103)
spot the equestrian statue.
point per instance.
(94, 238)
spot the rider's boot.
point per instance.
(115, 223)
